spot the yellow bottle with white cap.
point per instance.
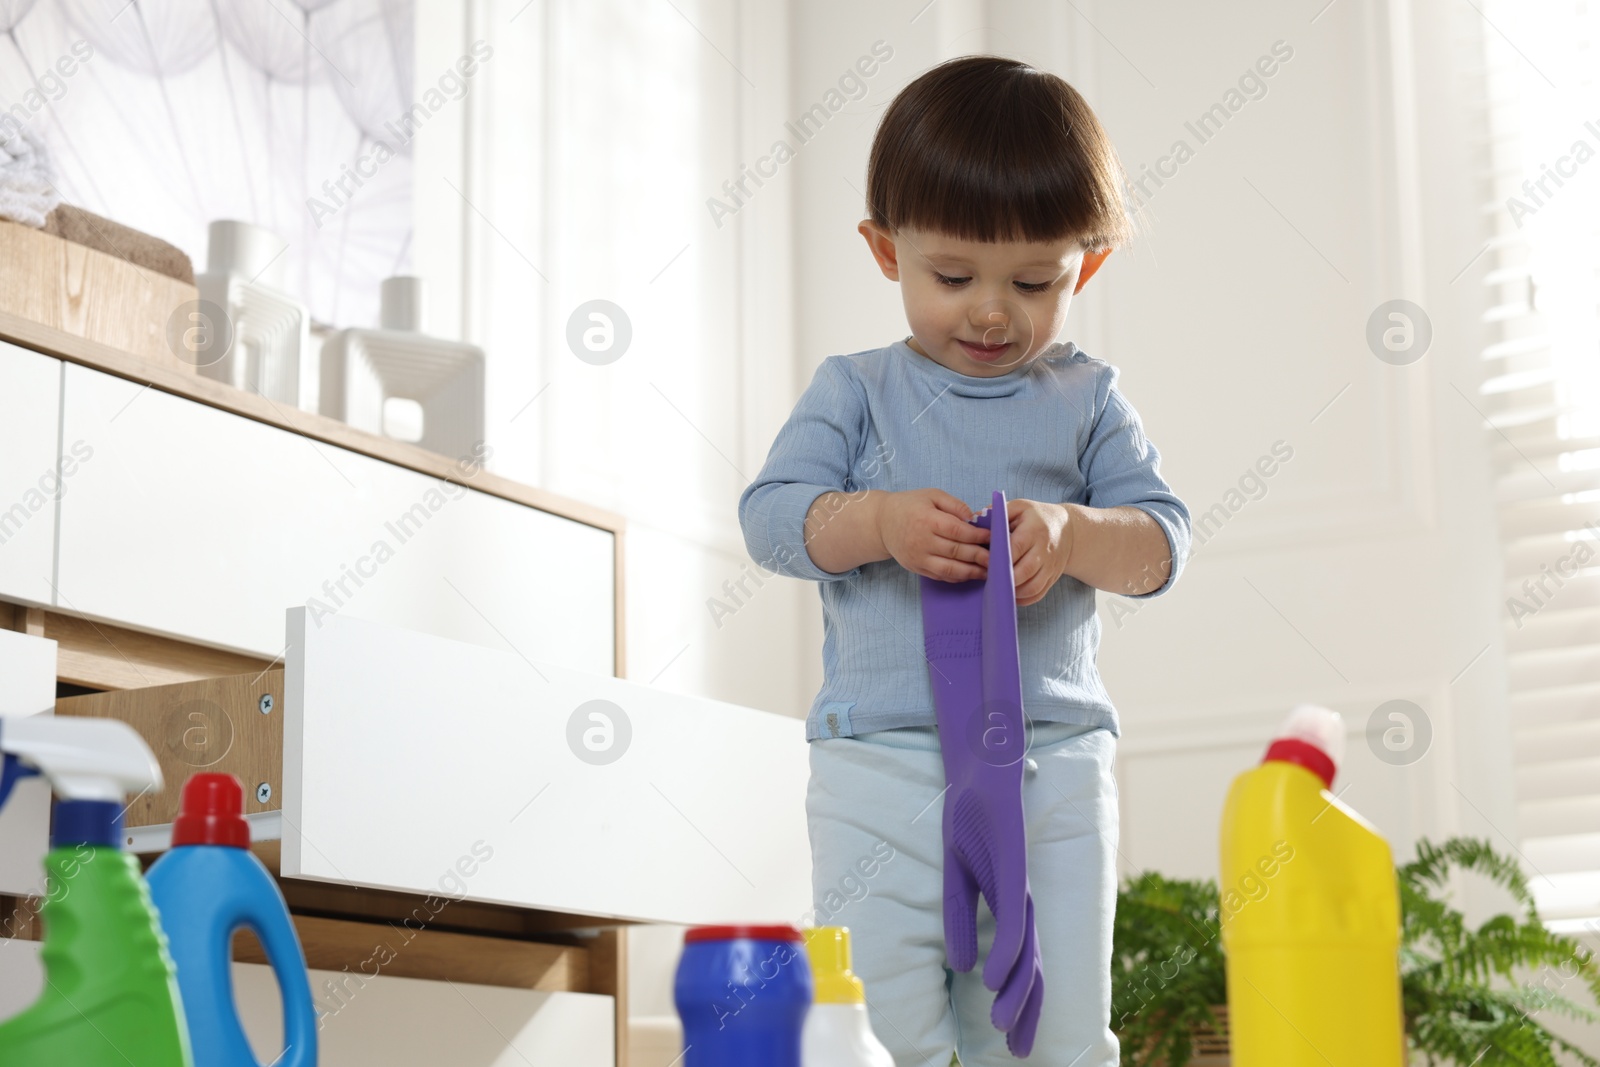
(837, 1033)
(1310, 913)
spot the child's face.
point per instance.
(981, 309)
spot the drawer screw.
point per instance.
(265, 703)
(264, 792)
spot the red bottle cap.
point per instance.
(1305, 754)
(780, 932)
(210, 813)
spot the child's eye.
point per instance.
(1026, 287)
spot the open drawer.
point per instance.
(387, 760)
(475, 818)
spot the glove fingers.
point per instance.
(960, 913)
(1019, 1039)
(1008, 1006)
(969, 871)
(1009, 900)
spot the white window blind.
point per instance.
(1542, 393)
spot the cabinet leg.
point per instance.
(608, 975)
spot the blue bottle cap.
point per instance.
(87, 822)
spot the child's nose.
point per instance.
(999, 319)
(990, 315)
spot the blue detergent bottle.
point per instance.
(743, 992)
(208, 886)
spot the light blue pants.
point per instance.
(880, 791)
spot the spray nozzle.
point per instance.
(83, 759)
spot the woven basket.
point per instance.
(1211, 1046)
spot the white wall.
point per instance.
(1369, 570)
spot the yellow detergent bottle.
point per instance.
(1310, 913)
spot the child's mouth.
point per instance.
(985, 353)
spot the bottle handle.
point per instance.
(288, 961)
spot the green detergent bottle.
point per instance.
(111, 994)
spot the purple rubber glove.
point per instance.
(970, 636)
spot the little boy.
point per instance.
(993, 196)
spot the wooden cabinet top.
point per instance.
(175, 377)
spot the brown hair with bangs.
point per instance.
(990, 149)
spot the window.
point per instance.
(1542, 393)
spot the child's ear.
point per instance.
(1091, 263)
(882, 246)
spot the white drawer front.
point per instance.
(409, 1022)
(430, 766)
(203, 524)
(30, 410)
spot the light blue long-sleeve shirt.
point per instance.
(1056, 430)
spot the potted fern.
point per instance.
(1469, 998)
(1454, 1012)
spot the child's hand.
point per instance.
(1041, 544)
(927, 532)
